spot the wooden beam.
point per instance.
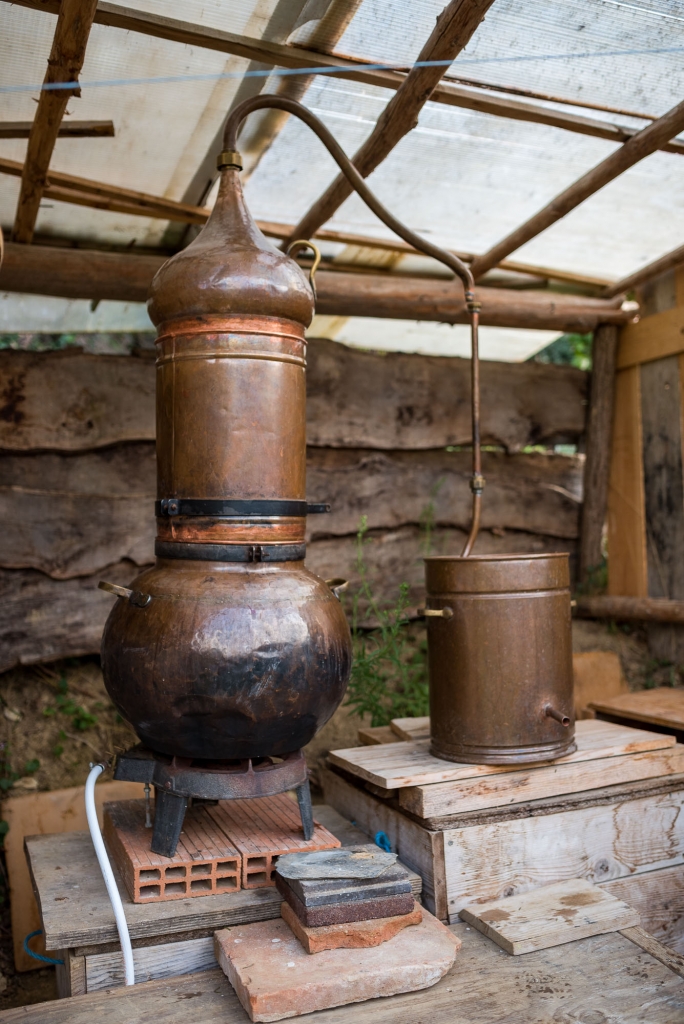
(641, 609)
(90, 274)
(67, 129)
(294, 57)
(641, 145)
(647, 273)
(599, 440)
(455, 27)
(64, 66)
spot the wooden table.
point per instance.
(168, 938)
(661, 709)
(594, 981)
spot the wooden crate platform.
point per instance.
(169, 938)
(206, 861)
(264, 829)
(626, 977)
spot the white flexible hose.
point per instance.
(106, 868)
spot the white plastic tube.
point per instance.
(106, 868)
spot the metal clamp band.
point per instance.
(239, 507)
(231, 552)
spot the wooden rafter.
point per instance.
(68, 188)
(93, 274)
(294, 57)
(667, 262)
(641, 145)
(67, 129)
(64, 65)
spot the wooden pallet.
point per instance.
(205, 862)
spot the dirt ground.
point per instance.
(55, 719)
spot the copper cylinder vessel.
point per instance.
(500, 658)
(229, 647)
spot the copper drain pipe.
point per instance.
(230, 157)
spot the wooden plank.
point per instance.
(64, 66)
(550, 916)
(662, 706)
(379, 734)
(412, 764)
(596, 674)
(420, 849)
(538, 783)
(639, 146)
(455, 27)
(67, 129)
(653, 337)
(53, 505)
(126, 276)
(411, 728)
(598, 446)
(61, 810)
(626, 516)
(42, 619)
(73, 401)
(610, 975)
(645, 274)
(658, 896)
(71, 975)
(599, 843)
(641, 938)
(168, 959)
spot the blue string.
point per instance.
(382, 840)
(38, 956)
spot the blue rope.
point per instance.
(38, 956)
(382, 840)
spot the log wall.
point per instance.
(77, 476)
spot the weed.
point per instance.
(389, 673)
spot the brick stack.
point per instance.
(347, 912)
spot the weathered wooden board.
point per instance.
(42, 619)
(65, 864)
(662, 706)
(599, 843)
(603, 978)
(417, 847)
(167, 960)
(377, 734)
(410, 729)
(659, 898)
(538, 783)
(411, 763)
(73, 401)
(550, 916)
(596, 676)
(70, 514)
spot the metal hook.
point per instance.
(302, 243)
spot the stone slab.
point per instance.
(343, 913)
(362, 862)
(393, 881)
(354, 935)
(274, 977)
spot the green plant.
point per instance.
(389, 673)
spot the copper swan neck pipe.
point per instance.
(230, 158)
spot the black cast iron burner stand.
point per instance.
(176, 780)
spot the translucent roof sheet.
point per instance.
(462, 178)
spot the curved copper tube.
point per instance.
(422, 245)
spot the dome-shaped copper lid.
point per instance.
(230, 269)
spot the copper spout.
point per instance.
(231, 158)
(557, 716)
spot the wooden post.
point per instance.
(599, 435)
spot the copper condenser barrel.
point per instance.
(500, 658)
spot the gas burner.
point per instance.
(177, 780)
